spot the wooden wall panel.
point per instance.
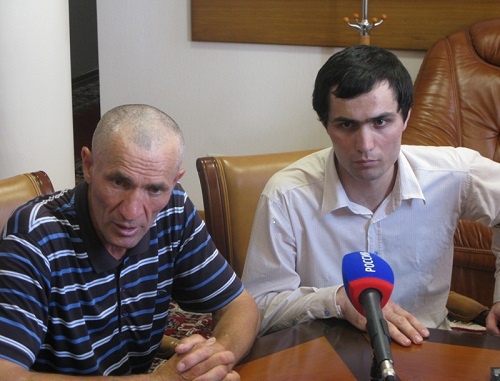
(410, 24)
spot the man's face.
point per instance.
(128, 186)
(366, 135)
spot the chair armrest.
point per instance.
(465, 309)
(41, 182)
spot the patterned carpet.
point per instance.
(467, 327)
(86, 115)
(85, 94)
(182, 324)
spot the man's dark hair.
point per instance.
(355, 71)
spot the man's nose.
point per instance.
(131, 206)
(364, 139)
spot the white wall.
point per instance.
(229, 99)
(36, 126)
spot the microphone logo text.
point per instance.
(368, 262)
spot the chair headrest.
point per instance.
(485, 38)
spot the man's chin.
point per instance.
(128, 243)
(120, 246)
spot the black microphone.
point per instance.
(368, 281)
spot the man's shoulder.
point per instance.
(304, 172)
(48, 209)
(178, 198)
(178, 208)
(439, 157)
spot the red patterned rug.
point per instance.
(182, 324)
(467, 327)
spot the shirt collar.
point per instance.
(334, 197)
(99, 257)
(407, 186)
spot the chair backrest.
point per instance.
(457, 94)
(15, 191)
(231, 187)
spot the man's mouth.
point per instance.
(127, 230)
(365, 162)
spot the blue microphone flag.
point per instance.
(362, 270)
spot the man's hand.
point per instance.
(199, 359)
(404, 328)
(236, 326)
(493, 320)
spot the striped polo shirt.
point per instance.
(67, 306)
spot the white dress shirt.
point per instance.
(305, 224)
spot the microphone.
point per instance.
(368, 281)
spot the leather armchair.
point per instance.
(231, 187)
(457, 94)
(19, 189)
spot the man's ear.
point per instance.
(181, 173)
(87, 163)
(407, 119)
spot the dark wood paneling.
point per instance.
(410, 24)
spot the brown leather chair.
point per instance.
(16, 190)
(457, 103)
(231, 187)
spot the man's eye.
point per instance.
(380, 122)
(346, 125)
(119, 182)
(155, 190)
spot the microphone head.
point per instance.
(361, 271)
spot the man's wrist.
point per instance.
(338, 310)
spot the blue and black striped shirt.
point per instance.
(67, 306)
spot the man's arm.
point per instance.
(195, 359)
(493, 318)
(271, 278)
(14, 372)
(236, 325)
(485, 194)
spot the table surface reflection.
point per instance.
(334, 350)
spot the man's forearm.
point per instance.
(495, 247)
(297, 306)
(14, 372)
(236, 325)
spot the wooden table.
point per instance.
(334, 350)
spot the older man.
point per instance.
(87, 274)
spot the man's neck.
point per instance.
(369, 194)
